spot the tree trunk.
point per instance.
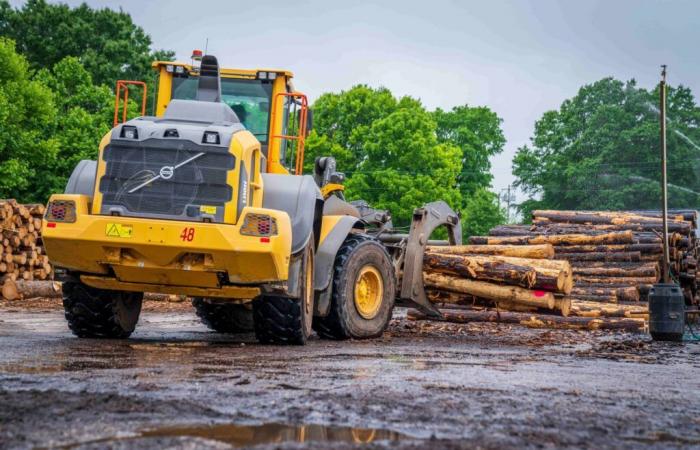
(541, 251)
(490, 291)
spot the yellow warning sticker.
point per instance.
(119, 230)
(204, 209)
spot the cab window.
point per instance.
(249, 99)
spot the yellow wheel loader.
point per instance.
(206, 198)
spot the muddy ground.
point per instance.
(174, 384)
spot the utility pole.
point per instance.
(664, 185)
(666, 300)
(508, 198)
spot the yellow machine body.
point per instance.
(185, 257)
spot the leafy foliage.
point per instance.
(477, 132)
(27, 111)
(398, 156)
(48, 123)
(600, 150)
(107, 42)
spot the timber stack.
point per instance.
(615, 256)
(22, 255)
(525, 282)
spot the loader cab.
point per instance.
(264, 101)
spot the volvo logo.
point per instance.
(166, 172)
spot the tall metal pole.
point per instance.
(664, 192)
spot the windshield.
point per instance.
(249, 99)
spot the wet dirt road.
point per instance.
(174, 384)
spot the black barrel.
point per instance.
(666, 312)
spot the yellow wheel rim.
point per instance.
(369, 290)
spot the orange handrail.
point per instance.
(122, 94)
(300, 138)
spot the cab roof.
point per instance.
(234, 73)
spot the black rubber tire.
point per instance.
(285, 320)
(100, 313)
(224, 317)
(344, 321)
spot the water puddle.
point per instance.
(270, 433)
(246, 435)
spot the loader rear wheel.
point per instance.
(363, 291)
(284, 320)
(224, 317)
(99, 313)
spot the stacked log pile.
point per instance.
(22, 255)
(615, 256)
(519, 278)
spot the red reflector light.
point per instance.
(51, 225)
(264, 239)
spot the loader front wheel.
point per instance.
(363, 291)
(224, 317)
(285, 320)
(100, 313)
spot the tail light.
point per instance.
(60, 211)
(259, 225)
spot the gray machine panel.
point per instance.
(82, 180)
(297, 196)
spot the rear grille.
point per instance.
(179, 193)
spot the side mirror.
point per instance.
(309, 121)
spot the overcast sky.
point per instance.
(520, 58)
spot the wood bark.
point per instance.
(514, 294)
(541, 251)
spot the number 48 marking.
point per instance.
(187, 234)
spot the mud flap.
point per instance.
(425, 220)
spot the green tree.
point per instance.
(477, 131)
(108, 43)
(85, 114)
(481, 212)
(600, 150)
(48, 122)
(27, 116)
(398, 156)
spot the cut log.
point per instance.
(624, 237)
(9, 288)
(592, 309)
(514, 294)
(536, 320)
(541, 251)
(621, 256)
(644, 249)
(629, 281)
(609, 218)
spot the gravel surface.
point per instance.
(175, 384)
